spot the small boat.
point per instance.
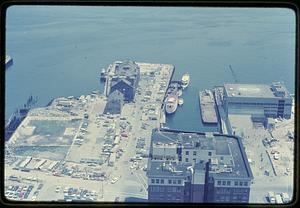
(180, 101)
(8, 61)
(103, 75)
(171, 103)
(185, 80)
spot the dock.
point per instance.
(207, 107)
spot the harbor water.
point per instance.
(60, 51)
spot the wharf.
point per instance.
(207, 106)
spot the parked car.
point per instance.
(285, 197)
(271, 197)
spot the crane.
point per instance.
(233, 74)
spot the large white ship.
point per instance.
(185, 80)
(171, 103)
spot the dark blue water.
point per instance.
(59, 51)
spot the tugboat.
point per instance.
(185, 80)
(171, 103)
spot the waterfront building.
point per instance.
(124, 77)
(197, 167)
(258, 100)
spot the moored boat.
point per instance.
(180, 101)
(171, 103)
(185, 80)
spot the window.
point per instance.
(209, 153)
(157, 180)
(186, 159)
(245, 183)
(161, 189)
(186, 152)
(162, 181)
(222, 158)
(169, 181)
(194, 153)
(152, 180)
(219, 182)
(194, 160)
(174, 181)
(224, 183)
(179, 181)
(241, 183)
(228, 183)
(236, 183)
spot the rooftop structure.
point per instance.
(257, 90)
(203, 163)
(257, 99)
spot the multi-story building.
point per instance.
(197, 167)
(258, 99)
(123, 77)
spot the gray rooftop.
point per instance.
(256, 90)
(222, 144)
(167, 169)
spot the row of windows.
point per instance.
(195, 153)
(246, 103)
(162, 181)
(227, 198)
(236, 183)
(233, 191)
(165, 189)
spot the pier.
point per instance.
(207, 105)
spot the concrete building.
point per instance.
(124, 77)
(197, 167)
(254, 99)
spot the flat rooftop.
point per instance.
(222, 144)
(255, 90)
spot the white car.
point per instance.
(276, 156)
(57, 189)
(114, 180)
(271, 197)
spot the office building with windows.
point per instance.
(197, 167)
(257, 99)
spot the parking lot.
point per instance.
(106, 159)
(271, 157)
